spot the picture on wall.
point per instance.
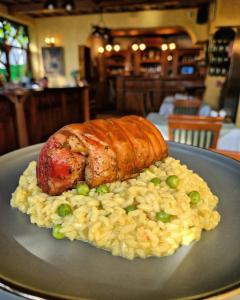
(53, 60)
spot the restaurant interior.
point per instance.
(174, 62)
(109, 208)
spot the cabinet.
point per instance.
(151, 62)
(114, 63)
(220, 48)
(187, 63)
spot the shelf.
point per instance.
(187, 63)
(115, 64)
(150, 60)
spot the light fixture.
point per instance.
(50, 41)
(108, 47)
(96, 31)
(68, 5)
(50, 4)
(142, 46)
(164, 47)
(100, 29)
(135, 47)
(106, 33)
(100, 49)
(116, 47)
(172, 46)
(169, 58)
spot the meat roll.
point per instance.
(98, 152)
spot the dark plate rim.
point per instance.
(29, 292)
(34, 294)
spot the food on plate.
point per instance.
(98, 152)
(165, 206)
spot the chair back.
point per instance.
(197, 131)
(186, 107)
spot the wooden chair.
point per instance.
(186, 107)
(194, 130)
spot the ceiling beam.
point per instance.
(160, 3)
(96, 6)
(83, 5)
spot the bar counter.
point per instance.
(31, 116)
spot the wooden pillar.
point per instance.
(18, 100)
(85, 102)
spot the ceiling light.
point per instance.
(116, 47)
(50, 5)
(142, 46)
(135, 47)
(164, 47)
(172, 46)
(169, 58)
(106, 33)
(96, 31)
(100, 49)
(108, 47)
(68, 5)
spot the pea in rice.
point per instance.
(125, 220)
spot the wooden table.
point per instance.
(230, 295)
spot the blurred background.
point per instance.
(68, 61)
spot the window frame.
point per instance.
(7, 48)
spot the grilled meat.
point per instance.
(98, 152)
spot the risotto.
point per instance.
(165, 207)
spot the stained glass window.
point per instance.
(14, 50)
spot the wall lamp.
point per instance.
(50, 41)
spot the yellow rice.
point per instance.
(101, 219)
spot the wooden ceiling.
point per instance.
(36, 8)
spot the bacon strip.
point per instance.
(98, 152)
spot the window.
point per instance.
(14, 50)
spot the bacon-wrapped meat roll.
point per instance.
(98, 152)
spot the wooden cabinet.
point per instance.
(8, 130)
(148, 65)
(142, 95)
(30, 117)
(153, 61)
(187, 64)
(114, 63)
(138, 95)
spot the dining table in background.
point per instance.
(229, 137)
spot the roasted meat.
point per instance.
(98, 152)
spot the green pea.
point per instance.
(163, 216)
(82, 189)
(102, 189)
(194, 196)
(56, 232)
(155, 180)
(130, 208)
(64, 209)
(172, 181)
